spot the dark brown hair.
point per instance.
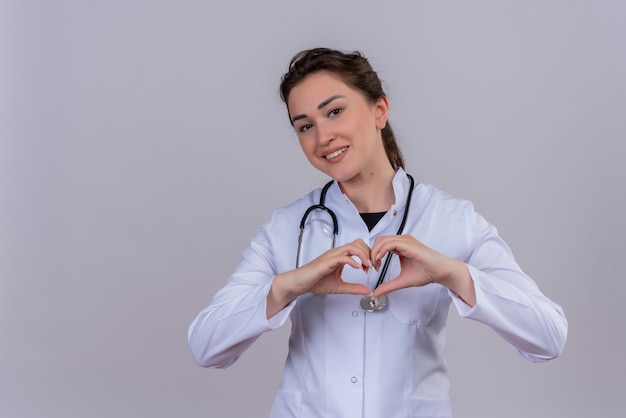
(354, 69)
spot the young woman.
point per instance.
(368, 335)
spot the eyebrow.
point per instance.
(319, 106)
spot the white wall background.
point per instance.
(142, 143)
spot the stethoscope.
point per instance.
(367, 303)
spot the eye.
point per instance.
(305, 127)
(335, 111)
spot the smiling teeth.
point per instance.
(335, 154)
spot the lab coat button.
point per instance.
(354, 379)
(355, 313)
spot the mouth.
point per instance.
(335, 153)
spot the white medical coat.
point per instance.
(344, 362)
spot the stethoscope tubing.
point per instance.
(322, 206)
(383, 272)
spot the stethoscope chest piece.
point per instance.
(372, 305)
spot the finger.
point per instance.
(381, 246)
(390, 286)
(360, 250)
(347, 259)
(352, 289)
(335, 263)
(396, 244)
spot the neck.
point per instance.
(371, 191)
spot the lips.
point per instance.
(336, 153)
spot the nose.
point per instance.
(325, 133)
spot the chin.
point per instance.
(339, 172)
(341, 177)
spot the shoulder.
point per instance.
(446, 223)
(430, 197)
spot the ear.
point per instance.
(381, 111)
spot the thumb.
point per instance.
(353, 289)
(390, 286)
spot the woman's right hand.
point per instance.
(321, 276)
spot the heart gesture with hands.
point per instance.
(419, 266)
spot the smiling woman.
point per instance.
(339, 130)
(437, 251)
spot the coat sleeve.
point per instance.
(236, 316)
(507, 299)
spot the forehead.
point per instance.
(316, 88)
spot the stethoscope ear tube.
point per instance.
(303, 222)
(306, 215)
(300, 245)
(324, 208)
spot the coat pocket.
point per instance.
(286, 404)
(415, 305)
(430, 408)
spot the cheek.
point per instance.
(354, 127)
(308, 148)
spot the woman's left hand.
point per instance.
(421, 265)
